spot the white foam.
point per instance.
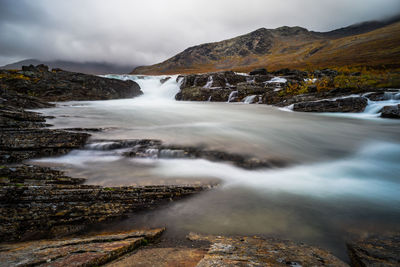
(368, 174)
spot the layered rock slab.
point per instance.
(39, 202)
(82, 251)
(382, 251)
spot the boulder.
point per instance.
(392, 112)
(260, 71)
(348, 104)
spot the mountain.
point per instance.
(369, 43)
(87, 67)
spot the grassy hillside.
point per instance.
(286, 47)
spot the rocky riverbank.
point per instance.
(318, 91)
(60, 85)
(41, 202)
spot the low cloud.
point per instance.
(146, 32)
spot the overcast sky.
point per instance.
(136, 32)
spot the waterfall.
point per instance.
(232, 96)
(249, 99)
(209, 82)
(153, 89)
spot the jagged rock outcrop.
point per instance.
(392, 112)
(383, 251)
(93, 250)
(59, 85)
(348, 104)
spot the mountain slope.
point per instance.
(87, 67)
(288, 47)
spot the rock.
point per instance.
(392, 112)
(257, 251)
(163, 80)
(17, 145)
(170, 256)
(92, 250)
(261, 71)
(65, 86)
(203, 94)
(224, 79)
(11, 117)
(375, 251)
(13, 99)
(149, 148)
(40, 202)
(348, 104)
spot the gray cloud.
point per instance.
(146, 32)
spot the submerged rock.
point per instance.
(151, 148)
(392, 112)
(348, 104)
(257, 251)
(383, 251)
(91, 250)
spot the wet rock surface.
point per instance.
(81, 251)
(155, 149)
(391, 112)
(59, 85)
(375, 251)
(257, 251)
(348, 104)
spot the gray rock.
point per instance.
(348, 104)
(392, 112)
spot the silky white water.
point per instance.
(342, 179)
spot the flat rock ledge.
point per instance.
(257, 251)
(83, 251)
(38, 202)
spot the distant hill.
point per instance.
(87, 67)
(369, 43)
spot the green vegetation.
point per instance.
(359, 78)
(109, 189)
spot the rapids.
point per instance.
(343, 177)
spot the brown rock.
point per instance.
(83, 251)
(382, 251)
(257, 251)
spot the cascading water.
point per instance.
(342, 173)
(153, 87)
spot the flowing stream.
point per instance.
(342, 179)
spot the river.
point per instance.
(342, 178)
